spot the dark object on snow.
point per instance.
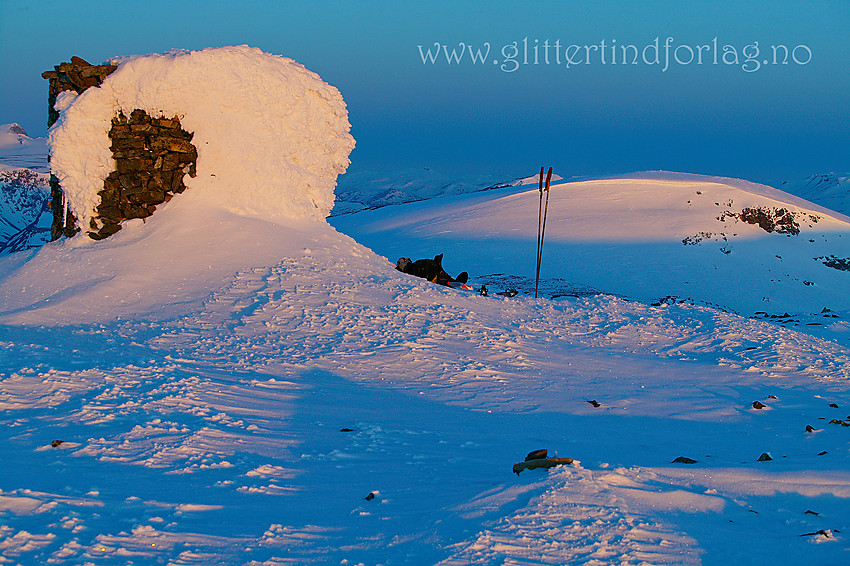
(765, 457)
(822, 453)
(833, 405)
(810, 512)
(56, 443)
(346, 430)
(820, 532)
(483, 291)
(758, 405)
(430, 269)
(508, 293)
(537, 454)
(684, 460)
(371, 496)
(595, 403)
(839, 422)
(810, 428)
(541, 463)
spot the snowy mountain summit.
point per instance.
(19, 150)
(13, 131)
(234, 381)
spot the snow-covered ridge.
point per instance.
(271, 136)
(830, 189)
(647, 236)
(24, 210)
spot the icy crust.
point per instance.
(271, 136)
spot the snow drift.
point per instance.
(271, 136)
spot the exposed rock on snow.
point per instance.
(151, 158)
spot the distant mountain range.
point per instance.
(24, 190)
(829, 190)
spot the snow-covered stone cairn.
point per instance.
(256, 133)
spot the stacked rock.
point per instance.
(151, 157)
(78, 75)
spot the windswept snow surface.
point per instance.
(230, 389)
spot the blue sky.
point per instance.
(778, 121)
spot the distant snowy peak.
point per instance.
(13, 134)
(19, 150)
(830, 190)
(16, 128)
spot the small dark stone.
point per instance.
(684, 460)
(833, 405)
(109, 229)
(758, 405)
(839, 422)
(172, 144)
(595, 403)
(371, 496)
(540, 454)
(810, 428)
(56, 443)
(765, 457)
(822, 453)
(346, 430)
(170, 162)
(138, 116)
(141, 128)
(177, 182)
(810, 512)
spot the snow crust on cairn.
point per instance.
(271, 136)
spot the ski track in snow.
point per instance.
(245, 398)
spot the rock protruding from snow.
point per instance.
(271, 136)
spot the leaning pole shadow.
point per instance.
(542, 210)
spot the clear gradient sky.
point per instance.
(779, 121)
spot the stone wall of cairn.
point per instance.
(151, 157)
